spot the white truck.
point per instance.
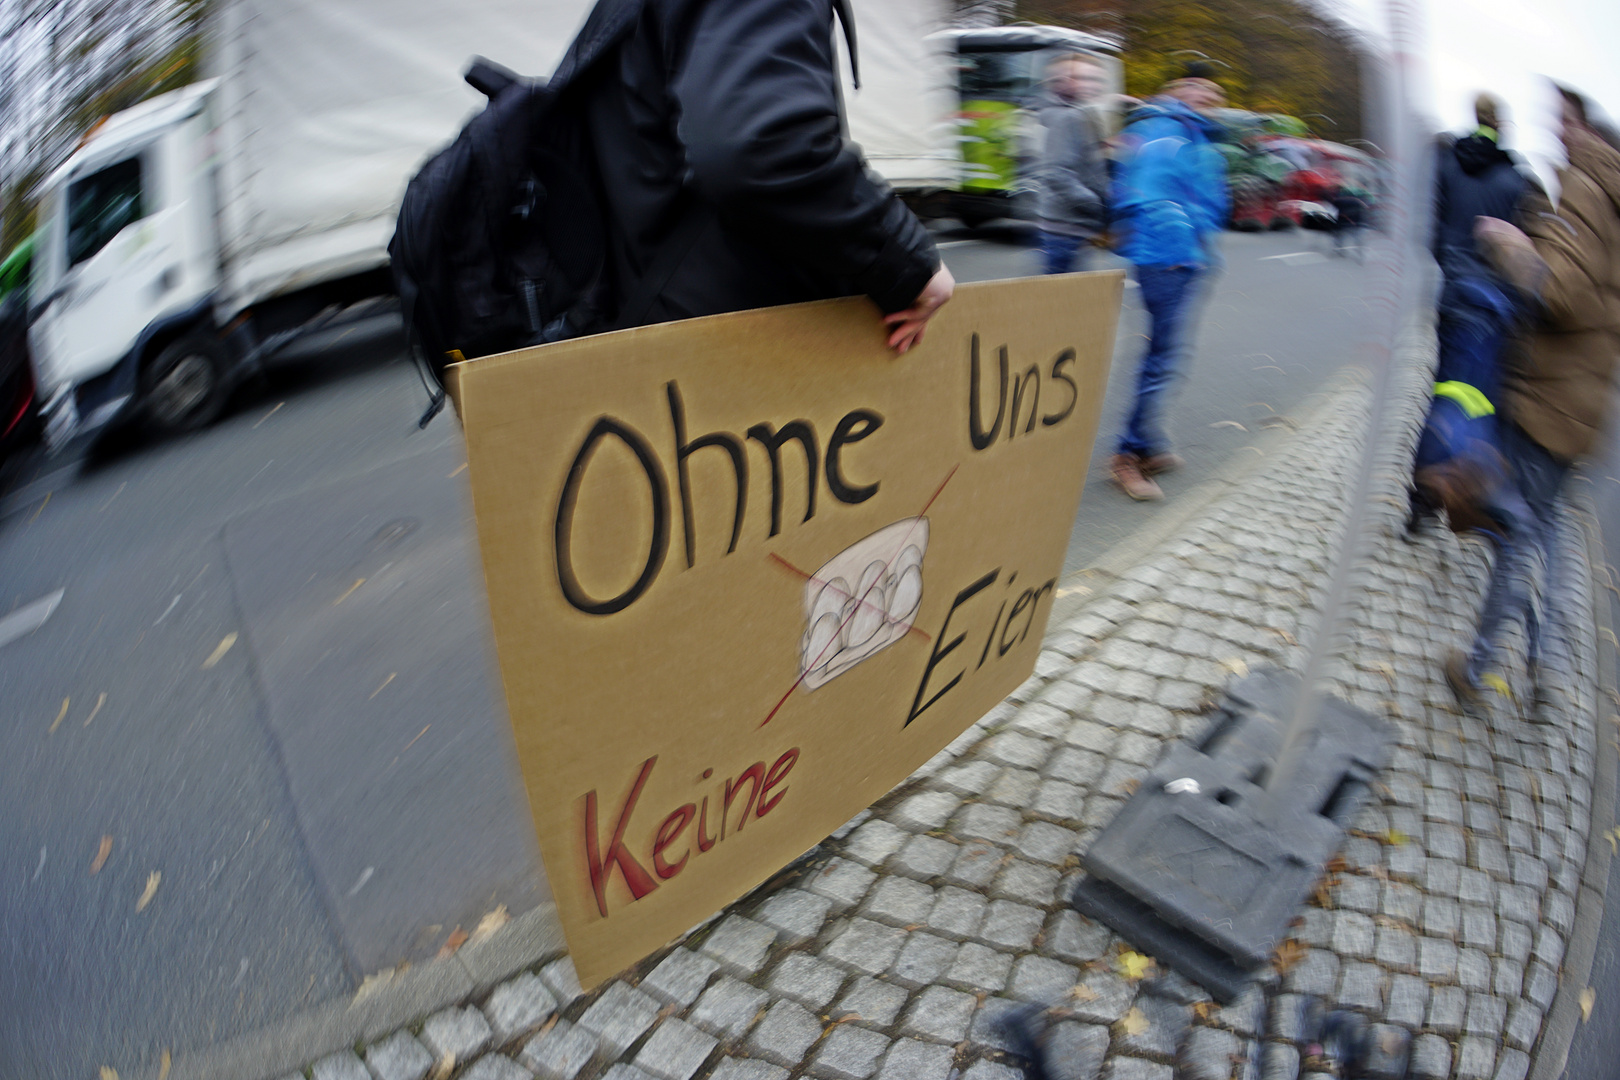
(193, 236)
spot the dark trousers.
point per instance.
(1167, 294)
(1063, 254)
(1527, 511)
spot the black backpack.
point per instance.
(501, 240)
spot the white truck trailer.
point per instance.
(194, 235)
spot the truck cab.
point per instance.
(126, 265)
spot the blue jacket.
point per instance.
(1170, 189)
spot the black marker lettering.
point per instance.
(656, 550)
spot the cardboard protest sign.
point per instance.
(748, 572)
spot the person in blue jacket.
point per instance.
(1170, 201)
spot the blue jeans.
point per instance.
(1062, 254)
(1167, 293)
(1527, 512)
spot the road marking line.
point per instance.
(1297, 258)
(25, 621)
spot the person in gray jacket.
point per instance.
(1071, 176)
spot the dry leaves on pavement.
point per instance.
(457, 938)
(101, 856)
(1135, 966)
(1134, 1022)
(220, 650)
(490, 923)
(152, 882)
(1588, 999)
(1289, 953)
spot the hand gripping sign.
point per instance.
(748, 572)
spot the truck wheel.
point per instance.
(183, 388)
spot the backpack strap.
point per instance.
(669, 258)
(847, 20)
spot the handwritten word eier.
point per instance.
(664, 848)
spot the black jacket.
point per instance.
(729, 111)
(1473, 177)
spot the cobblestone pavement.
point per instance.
(898, 946)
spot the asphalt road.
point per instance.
(268, 690)
(1278, 320)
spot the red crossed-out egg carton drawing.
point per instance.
(862, 600)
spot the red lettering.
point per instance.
(778, 773)
(756, 773)
(705, 841)
(635, 877)
(668, 833)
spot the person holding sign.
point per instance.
(719, 144)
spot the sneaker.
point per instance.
(1462, 684)
(1129, 476)
(1469, 691)
(1154, 464)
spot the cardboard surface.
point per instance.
(705, 678)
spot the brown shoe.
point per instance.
(1129, 476)
(1154, 464)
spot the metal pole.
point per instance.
(1389, 300)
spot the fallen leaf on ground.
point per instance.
(1588, 999)
(1205, 1009)
(457, 938)
(490, 923)
(109, 1073)
(1134, 965)
(163, 1066)
(1288, 954)
(374, 982)
(1130, 787)
(1083, 993)
(1395, 838)
(1134, 1022)
(1285, 635)
(101, 855)
(1236, 666)
(348, 592)
(58, 721)
(100, 701)
(152, 881)
(445, 1066)
(220, 650)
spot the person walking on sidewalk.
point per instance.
(1455, 461)
(1071, 175)
(718, 144)
(1556, 390)
(1170, 203)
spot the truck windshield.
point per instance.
(996, 75)
(100, 205)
